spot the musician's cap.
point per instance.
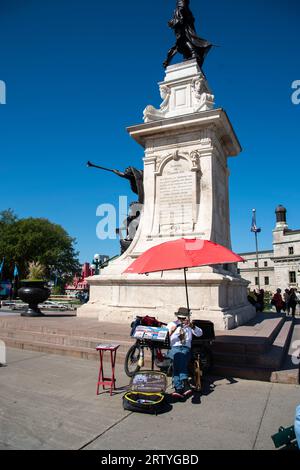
(183, 312)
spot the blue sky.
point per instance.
(79, 72)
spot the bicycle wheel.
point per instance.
(131, 365)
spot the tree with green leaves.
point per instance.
(7, 217)
(23, 241)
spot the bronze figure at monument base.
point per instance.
(135, 177)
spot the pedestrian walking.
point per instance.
(260, 302)
(252, 297)
(292, 302)
(286, 298)
(278, 301)
(298, 301)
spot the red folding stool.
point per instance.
(109, 381)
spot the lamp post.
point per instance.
(256, 230)
(95, 264)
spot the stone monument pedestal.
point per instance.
(187, 144)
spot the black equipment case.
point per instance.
(208, 331)
(206, 339)
(146, 392)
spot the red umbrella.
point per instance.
(182, 254)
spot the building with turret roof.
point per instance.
(279, 267)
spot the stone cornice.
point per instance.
(254, 270)
(188, 123)
(286, 242)
(211, 280)
(253, 253)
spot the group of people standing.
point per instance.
(257, 299)
(286, 303)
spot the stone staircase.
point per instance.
(290, 369)
(63, 335)
(256, 351)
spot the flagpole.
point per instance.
(256, 231)
(258, 274)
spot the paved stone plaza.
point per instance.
(50, 402)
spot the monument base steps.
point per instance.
(256, 351)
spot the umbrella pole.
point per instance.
(186, 289)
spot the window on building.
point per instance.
(255, 264)
(256, 281)
(291, 250)
(239, 271)
(292, 277)
(266, 264)
(267, 281)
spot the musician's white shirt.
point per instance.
(175, 338)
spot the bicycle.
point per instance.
(201, 360)
(135, 356)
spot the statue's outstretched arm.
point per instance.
(119, 173)
(92, 165)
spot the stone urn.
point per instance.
(33, 293)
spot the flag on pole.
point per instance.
(16, 271)
(254, 227)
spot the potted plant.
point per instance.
(33, 290)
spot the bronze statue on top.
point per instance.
(187, 42)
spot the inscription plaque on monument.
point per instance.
(176, 197)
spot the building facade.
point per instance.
(79, 283)
(275, 268)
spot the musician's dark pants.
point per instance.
(181, 356)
